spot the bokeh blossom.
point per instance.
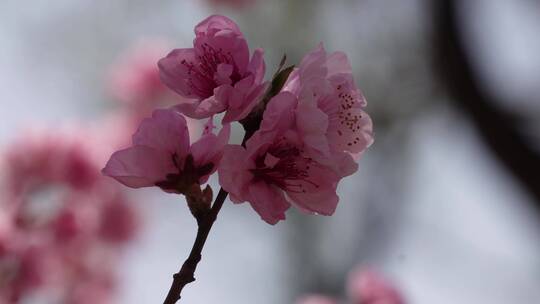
(216, 75)
(316, 299)
(134, 77)
(370, 287)
(62, 227)
(363, 287)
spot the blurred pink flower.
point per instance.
(369, 287)
(316, 299)
(44, 157)
(96, 288)
(134, 79)
(68, 225)
(363, 287)
(56, 216)
(330, 105)
(161, 154)
(215, 75)
(119, 222)
(279, 166)
(23, 270)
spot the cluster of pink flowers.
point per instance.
(305, 128)
(62, 227)
(363, 287)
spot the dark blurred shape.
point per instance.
(499, 128)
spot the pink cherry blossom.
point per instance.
(332, 105)
(216, 75)
(161, 154)
(316, 299)
(279, 167)
(369, 287)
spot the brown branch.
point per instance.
(187, 272)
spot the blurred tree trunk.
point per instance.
(499, 128)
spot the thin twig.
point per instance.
(187, 272)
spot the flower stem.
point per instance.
(187, 272)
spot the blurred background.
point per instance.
(446, 202)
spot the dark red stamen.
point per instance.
(290, 173)
(201, 72)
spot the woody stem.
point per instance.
(187, 272)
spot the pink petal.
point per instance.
(139, 166)
(213, 104)
(312, 123)
(209, 148)
(246, 99)
(338, 63)
(257, 66)
(269, 202)
(176, 75)
(344, 163)
(216, 23)
(353, 132)
(279, 113)
(241, 89)
(207, 107)
(232, 46)
(312, 64)
(165, 131)
(344, 83)
(234, 175)
(223, 137)
(293, 82)
(317, 193)
(223, 74)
